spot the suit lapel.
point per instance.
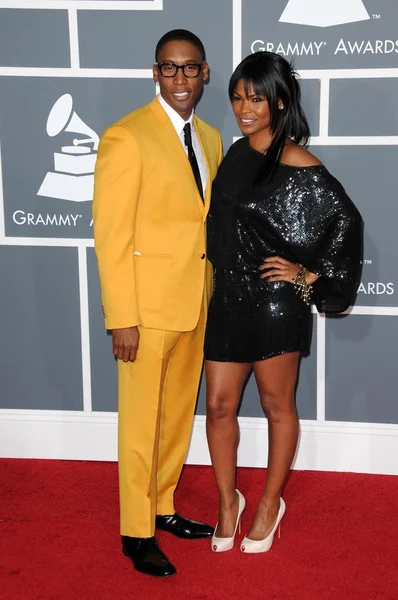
(203, 143)
(167, 131)
(175, 148)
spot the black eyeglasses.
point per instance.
(190, 70)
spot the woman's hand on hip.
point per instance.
(279, 269)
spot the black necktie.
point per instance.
(192, 158)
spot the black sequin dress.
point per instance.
(302, 215)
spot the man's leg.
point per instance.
(177, 409)
(140, 391)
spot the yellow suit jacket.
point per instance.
(149, 221)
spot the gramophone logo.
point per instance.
(324, 13)
(73, 174)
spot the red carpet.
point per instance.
(59, 538)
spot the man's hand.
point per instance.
(125, 343)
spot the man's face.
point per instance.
(181, 92)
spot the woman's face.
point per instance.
(251, 110)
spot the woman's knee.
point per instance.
(220, 406)
(276, 404)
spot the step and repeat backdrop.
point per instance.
(68, 69)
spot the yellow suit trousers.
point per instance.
(157, 397)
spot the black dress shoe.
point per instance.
(182, 527)
(147, 557)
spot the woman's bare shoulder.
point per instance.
(297, 156)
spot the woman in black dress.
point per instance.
(281, 233)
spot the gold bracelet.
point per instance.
(301, 286)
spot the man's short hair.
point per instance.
(180, 35)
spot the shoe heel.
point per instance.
(279, 532)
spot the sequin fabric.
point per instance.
(304, 216)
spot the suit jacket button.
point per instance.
(203, 256)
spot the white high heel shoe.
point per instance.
(255, 546)
(223, 544)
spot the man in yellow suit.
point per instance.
(152, 193)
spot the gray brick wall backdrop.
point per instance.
(69, 68)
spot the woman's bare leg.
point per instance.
(224, 383)
(276, 380)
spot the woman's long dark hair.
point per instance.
(272, 76)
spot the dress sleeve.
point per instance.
(339, 259)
